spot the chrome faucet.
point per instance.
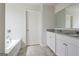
(8, 37)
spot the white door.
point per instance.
(69, 21)
(33, 27)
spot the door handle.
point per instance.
(65, 44)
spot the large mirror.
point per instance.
(60, 19)
(68, 17)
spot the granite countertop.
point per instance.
(67, 32)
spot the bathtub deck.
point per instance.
(36, 51)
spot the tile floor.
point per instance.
(36, 50)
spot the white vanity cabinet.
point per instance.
(60, 48)
(63, 44)
(51, 40)
(72, 50)
(66, 46)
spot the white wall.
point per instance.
(47, 20)
(16, 18)
(2, 28)
(61, 6)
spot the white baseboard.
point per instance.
(32, 44)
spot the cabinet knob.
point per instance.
(65, 44)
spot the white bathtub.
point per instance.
(13, 47)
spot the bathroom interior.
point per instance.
(51, 25)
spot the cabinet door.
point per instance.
(60, 47)
(73, 50)
(48, 38)
(52, 41)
